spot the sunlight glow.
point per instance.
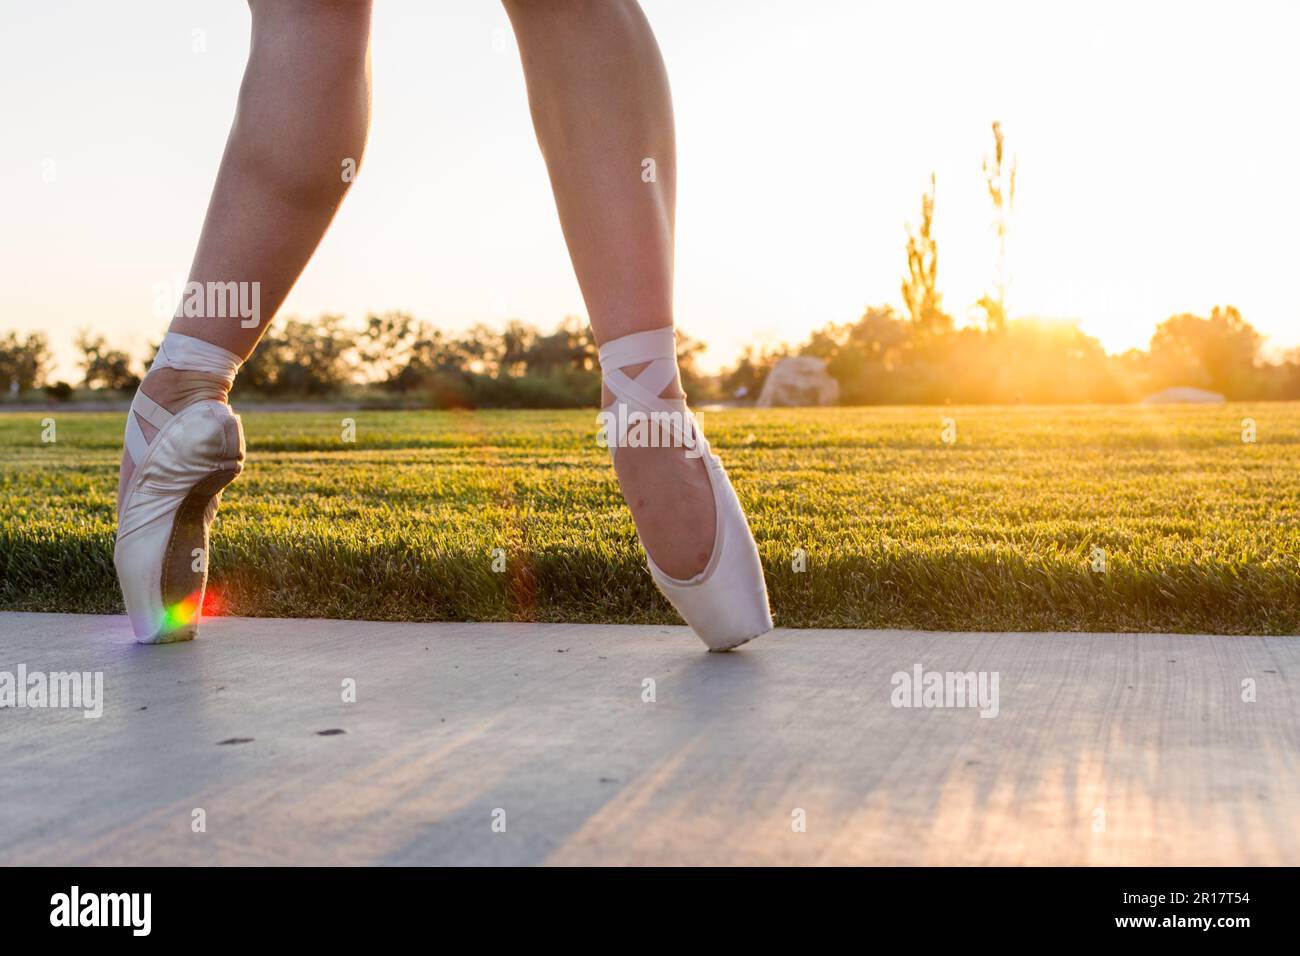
(1157, 164)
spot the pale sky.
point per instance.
(1158, 147)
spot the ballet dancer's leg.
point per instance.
(297, 140)
(603, 115)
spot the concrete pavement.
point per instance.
(576, 744)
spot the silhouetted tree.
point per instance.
(105, 367)
(302, 357)
(1000, 178)
(384, 344)
(920, 288)
(1218, 353)
(870, 356)
(24, 363)
(570, 346)
(745, 379)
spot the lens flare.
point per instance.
(181, 613)
(214, 603)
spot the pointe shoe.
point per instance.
(726, 603)
(167, 508)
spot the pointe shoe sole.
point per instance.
(190, 531)
(724, 648)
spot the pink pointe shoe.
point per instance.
(726, 603)
(170, 501)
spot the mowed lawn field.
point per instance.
(864, 517)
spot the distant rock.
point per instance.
(798, 381)
(1183, 395)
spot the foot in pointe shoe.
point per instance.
(177, 461)
(716, 583)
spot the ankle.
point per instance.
(175, 388)
(672, 390)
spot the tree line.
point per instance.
(882, 358)
(393, 354)
(922, 357)
(885, 358)
(917, 357)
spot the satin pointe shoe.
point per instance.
(726, 603)
(169, 503)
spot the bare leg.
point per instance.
(299, 132)
(601, 107)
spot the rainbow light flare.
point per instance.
(182, 613)
(214, 603)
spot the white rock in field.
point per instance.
(799, 380)
(1184, 393)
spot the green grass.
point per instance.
(1201, 531)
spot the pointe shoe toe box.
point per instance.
(726, 603)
